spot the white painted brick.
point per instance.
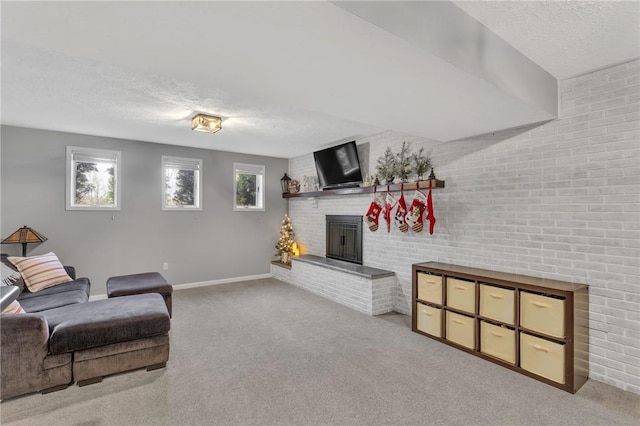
(557, 201)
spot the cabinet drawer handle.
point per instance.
(459, 287)
(497, 334)
(426, 313)
(457, 321)
(540, 348)
(540, 304)
(496, 296)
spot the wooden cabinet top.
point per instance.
(505, 278)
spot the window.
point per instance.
(93, 179)
(182, 183)
(248, 181)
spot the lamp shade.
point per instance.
(23, 236)
(285, 183)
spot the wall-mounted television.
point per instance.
(338, 166)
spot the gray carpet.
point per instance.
(264, 352)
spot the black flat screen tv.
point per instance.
(338, 166)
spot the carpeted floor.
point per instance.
(264, 352)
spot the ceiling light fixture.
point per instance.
(206, 123)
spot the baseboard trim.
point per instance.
(221, 281)
(201, 284)
(97, 297)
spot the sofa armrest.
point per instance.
(21, 333)
(71, 271)
(25, 345)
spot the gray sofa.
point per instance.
(64, 338)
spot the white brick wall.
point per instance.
(370, 296)
(281, 273)
(560, 201)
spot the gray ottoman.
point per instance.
(147, 282)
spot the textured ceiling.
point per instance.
(287, 77)
(566, 38)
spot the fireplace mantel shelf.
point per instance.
(408, 186)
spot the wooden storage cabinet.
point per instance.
(534, 326)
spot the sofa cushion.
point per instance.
(36, 303)
(104, 322)
(40, 272)
(77, 284)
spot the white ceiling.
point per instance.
(566, 38)
(287, 77)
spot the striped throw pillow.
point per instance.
(40, 272)
(14, 308)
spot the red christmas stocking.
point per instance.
(414, 217)
(373, 214)
(430, 216)
(401, 212)
(389, 203)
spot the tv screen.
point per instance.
(338, 166)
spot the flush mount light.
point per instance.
(206, 123)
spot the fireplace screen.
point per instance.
(344, 238)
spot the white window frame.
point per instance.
(259, 171)
(188, 164)
(73, 152)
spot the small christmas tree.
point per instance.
(421, 164)
(285, 243)
(403, 162)
(387, 166)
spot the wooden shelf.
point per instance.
(408, 186)
(517, 309)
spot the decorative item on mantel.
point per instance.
(294, 187)
(284, 183)
(387, 166)
(308, 184)
(286, 246)
(421, 164)
(403, 162)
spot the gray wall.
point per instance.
(213, 244)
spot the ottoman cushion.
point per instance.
(147, 282)
(104, 322)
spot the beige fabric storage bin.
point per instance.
(542, 314)
(461, 295)
(499, 342)
(542, 357)
(429, 320)
(430, 288)
(461, 329)
(497, 303)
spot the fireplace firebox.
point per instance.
(344, 238)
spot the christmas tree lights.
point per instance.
(286, 244)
